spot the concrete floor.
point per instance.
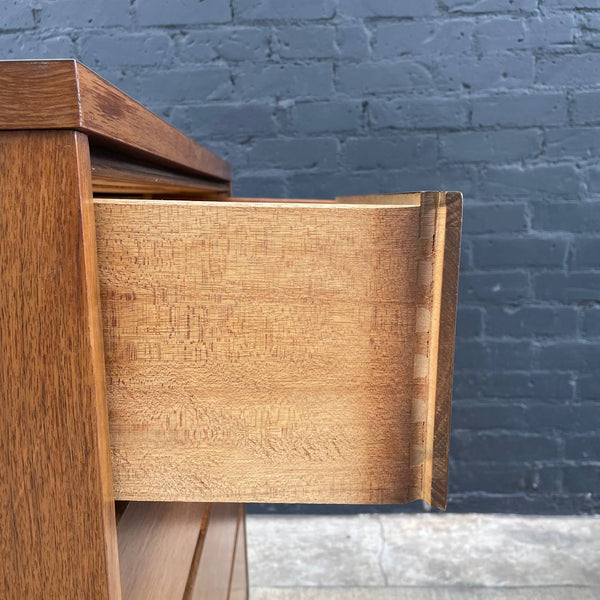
(424, 557)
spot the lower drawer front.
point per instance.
(273, 352)
(172, 550)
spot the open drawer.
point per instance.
(279, 351)
(197, 348)
(162, 341)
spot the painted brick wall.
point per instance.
(497, 98)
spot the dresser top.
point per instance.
(64, 94)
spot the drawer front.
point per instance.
(276, 352)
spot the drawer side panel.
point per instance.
(263, 352)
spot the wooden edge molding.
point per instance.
(451, 203)
(64, 94)
(440, 229)
(116, 175)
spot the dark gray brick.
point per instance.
(531, 321)
(549, 419)
(572, 3)
(317, 41)
(515, 448)
(236, 154)
(486, 355)
(469, 322)
(16, 14)
(353, 41)
(560, 180)
(574, 287)
(418, 113)
(374, 78)
(550, 387)
(491, 6)
(520, 110)
(494, 218)
(423, 177)
(285, 81)
(472, 355)
(584, 479)
(576, 217)
(173, 86)
(81, 13)
(588, 386)
(568, 69)
(575, 355)
(329, 184)
(506, 33)
(490, 146)
(586, 107)
(593, 175)
(294, 153)
(391, 40)
(566, 419)
(232, 44)
(500, 71)
(29, 45)
(114, 49)
(182, 12)
(494, 287)
(234, 120)
(583, 446)
(524, 252)
(573, 142)
(511, 355)
(277, 10)
(488, 416)
(544, 480)
(254, 185)
(311, 117)
(587, 252)
(389, 154)
(469, 477)
(591, 323)
(388, 8)
(550, 504)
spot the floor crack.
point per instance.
(382, 546)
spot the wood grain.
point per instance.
(213, 576)
(451, 208)
(118, 175)
(157, 541)
(238, 590)
(63, 94)
(57, 523)
(268, 352)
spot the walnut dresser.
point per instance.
(169, 352)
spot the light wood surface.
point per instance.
(157, 541)
(238, 589)
(213, 577)
(63, 94)
(57, 520)
(274, 352)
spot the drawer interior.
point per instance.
(277, 351)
